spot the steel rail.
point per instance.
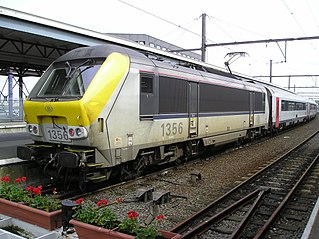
(202, 227)
(276, 213)
(250, 213)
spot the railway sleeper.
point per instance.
(298, 208)
(294, 217)
(287, 227)
(223, 230)
(265, 211)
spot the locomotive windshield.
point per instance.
(65, 81)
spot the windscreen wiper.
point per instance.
(68, 75)
(70, 72)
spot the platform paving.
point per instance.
(312, 229)
(12, 127)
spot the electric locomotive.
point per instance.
(107, 110)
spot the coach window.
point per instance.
(284, 105)
(299, 106)
(147, 97)
(291, 106)
(304, 106)
(313, 107)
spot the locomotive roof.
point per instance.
(98, 51)
(138, 56)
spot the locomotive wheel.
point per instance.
(125, 172)
(82, 186)
(134, 169)
(140, 165)
(138, 168)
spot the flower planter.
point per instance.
(87, 231)
(47, 220)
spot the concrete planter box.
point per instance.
(47, 220)
(87, 231)
(37, 232)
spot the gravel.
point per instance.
(219, 174)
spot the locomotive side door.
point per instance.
(193, 109)
(251, 108)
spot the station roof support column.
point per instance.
(10, 93)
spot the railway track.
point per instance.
(274, 203)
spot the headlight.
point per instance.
(71, 132)
(29, 128)
(77, 132)
(33, 129)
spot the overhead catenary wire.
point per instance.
(312, 14)
(236, 26)
(294, 17)
(190, 24)
(158, 17)
(165, 20)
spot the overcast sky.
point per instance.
(179, 22)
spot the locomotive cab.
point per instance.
(62, 112)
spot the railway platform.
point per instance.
(312, 229)
(12, 127)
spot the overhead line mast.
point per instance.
(203, 48)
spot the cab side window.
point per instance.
(148, 96)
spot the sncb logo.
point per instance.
(48, 108)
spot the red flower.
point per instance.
(159, 217)
(102, 202)
(29, 188)
(23, 179)
(5, 179)
(17, 180)
(79, 201)
(118, 200)
(132, 215)
(37, 190)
